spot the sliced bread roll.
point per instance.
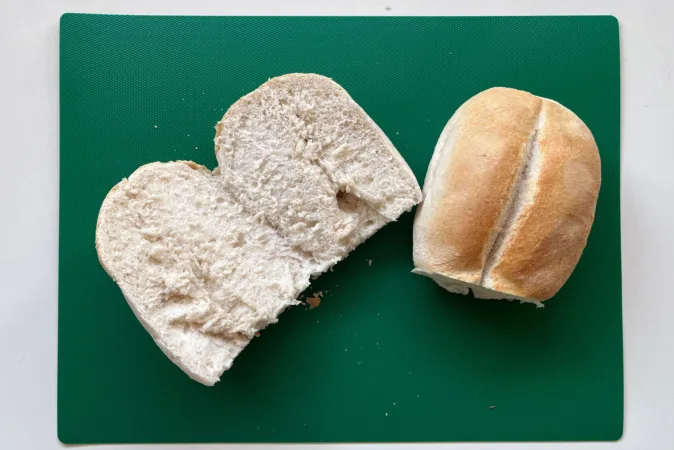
(201, 275)
(205, 265)
(509, 198)
(302, 154)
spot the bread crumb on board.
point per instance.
(369, 262)
(314, 302)
(492, 407)
(257, 334)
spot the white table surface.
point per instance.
(29, 150)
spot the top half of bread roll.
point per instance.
(509, 196)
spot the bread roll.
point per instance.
(299, 151)
(206, 260)
(509, 198)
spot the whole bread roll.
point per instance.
(509, 198)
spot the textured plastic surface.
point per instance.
(388, 355)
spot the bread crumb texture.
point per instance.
(206, 260)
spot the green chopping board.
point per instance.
(388, 355)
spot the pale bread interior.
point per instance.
(206, 260)
(302, 154)
(185, 254)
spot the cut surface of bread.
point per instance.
(204, 264)
(300, 152)
(200, 275)
(509, 198)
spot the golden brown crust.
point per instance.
(473, 188)
(195, 166)
(552, 231)
(476, 203)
